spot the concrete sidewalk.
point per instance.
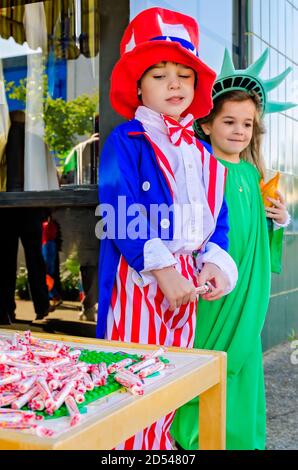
(68, 311)
(281, 377)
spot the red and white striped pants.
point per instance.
(142, 315)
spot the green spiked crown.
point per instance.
(249, 80)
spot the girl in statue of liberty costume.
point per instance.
(234, 323)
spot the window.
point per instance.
(49, 87)
(279, 36)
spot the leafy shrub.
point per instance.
(22, 286)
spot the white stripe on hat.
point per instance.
(131, 44)
(177, 30)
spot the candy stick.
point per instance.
(99, 377)
(4, 344)
(11, 378)
(156, 353)
(17, 420)
(132, 378)
(81, 387)
(140, 365)
(44, 388)
(54, 384)
(82, 366)
(44, 353)
(18, 415)
(73, 410)
(119, 365)
(13, 353)
(22, 365)
(38, 403)
(27, 336)
(42, 431)
(88, 382)
(134, 388)
(14, 425)
(3, 358)
(128, 378)
(21, 401)
(15, 339)
(151, 369)
(64, 373)
(6, 400)
(64, 349)
(64, 392)
(207, 287)
(79, 397)
(31, 340)
(59, 362)
(26, 384)
(103, 373)
(74, 355)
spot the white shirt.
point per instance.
(194, 221)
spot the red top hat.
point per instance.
(156, 35)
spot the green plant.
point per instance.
(22, 286)
(70, 278)
(69, 275)
(64, 120)
(292, 335)
(17, 92)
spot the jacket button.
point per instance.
(146, 186)
(165, 223)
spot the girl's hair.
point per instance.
(252, 153)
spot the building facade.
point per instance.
(274, 24)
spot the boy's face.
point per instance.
(168, 88)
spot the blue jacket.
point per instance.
(127, 161)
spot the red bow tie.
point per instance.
(177, 131)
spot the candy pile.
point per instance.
(42, 376)
(132, 378)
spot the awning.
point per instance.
(72, 26)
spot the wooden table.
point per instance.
(120, 415)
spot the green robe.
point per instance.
(234, 322)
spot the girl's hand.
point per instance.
(279, 211)
(177, 290)
(216, 277)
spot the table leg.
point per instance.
(212, 421)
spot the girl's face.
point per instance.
(231, 130)
(168, 88)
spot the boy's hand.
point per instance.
(177, 290)
(216, 277)
(279, 211)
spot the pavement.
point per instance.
(64, 320)
(280, 368)
(281, 378)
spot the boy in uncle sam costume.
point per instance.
(147, 284)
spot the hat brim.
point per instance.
(131, 66)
